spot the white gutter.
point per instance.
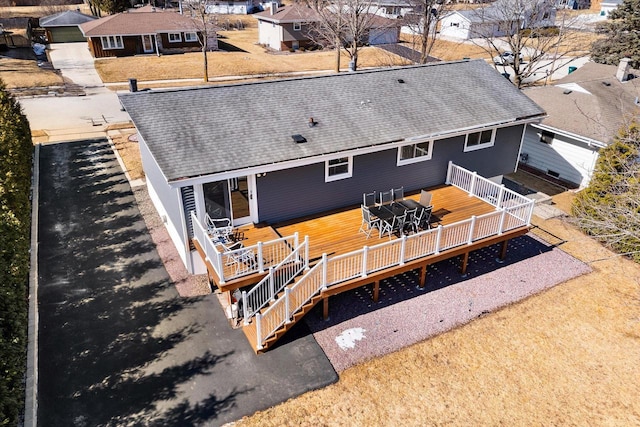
(589, 141)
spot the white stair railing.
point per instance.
(275, 281)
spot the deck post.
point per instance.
(472, 185)
(286, 304)
(365, 253)
(438, 237)
(502, 217)
(423, 276)
(500, 196)
(272, 287)
(219, 259)
(503, 251)
(260, 258)
(324, 271)
(245, 306)
(306, 252)
(465, 261)
(530, 213)
(376, 290)
(259, 331)
(295, 239)
(325, 308)
(403, 245)
(472, 228)
(449, 171)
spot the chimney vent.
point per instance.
(274, 8)
(623, 70)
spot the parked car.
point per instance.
(506, 58)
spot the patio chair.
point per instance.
(398, 194)
(425, 198)
(386, 197)
(369, 199)
(396, 224)
(369, 223)
(243, 259)
(421, 219)
(410, 217)
(219, 228)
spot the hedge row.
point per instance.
(16, 152)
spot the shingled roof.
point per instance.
(138, 23)
(68, 18)
(590, 102)
(202, 131)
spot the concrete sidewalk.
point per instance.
(116, 344)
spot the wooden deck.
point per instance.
(337, 232)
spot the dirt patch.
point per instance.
(126, 142)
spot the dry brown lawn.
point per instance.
(568, 356)
(254, 60)
(21, 73)
(126, 143)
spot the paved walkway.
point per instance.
(117, 345)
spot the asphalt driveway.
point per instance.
(117, 345)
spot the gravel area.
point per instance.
(359, 329)
(187, 285)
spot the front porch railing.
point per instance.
(267, 254)
(512, 211)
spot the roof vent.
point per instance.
(299, 139)
(400, 80)
(567, 91)
(312, 122)
(606, 84)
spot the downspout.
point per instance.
(155, 39)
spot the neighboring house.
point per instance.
(238, 7)
(495, 21)
(392, 8)
(64, 27)
(606, 7)
(585, 111)
(288, 28)
(309, 145)
(144, 31)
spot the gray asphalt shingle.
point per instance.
(200, 131)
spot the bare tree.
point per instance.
(423, 23)
(609, 208)
(205, 24)
(343, 24)
(531, 31)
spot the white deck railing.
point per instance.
(274, 282)
(267, 254)
(512, 211)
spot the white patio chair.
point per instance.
(425, 198)
(369, 199)
(218, 228)
(241, 258)
(386, 197)
(398, 194)
(410, 215)
(421, 219)
(369, 223)
(396, 224)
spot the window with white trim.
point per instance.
(478, 140)
(297, 26)
(339, 168)
(190, 37)
(414, 153)
(111, 42)
(175, 37)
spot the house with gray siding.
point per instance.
(271, 151)
(585, 111)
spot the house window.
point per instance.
(112, 42)
(190, 37)
(547, 137)
(297, 26)
(336, 169)
(455, 24)
(478, 140)
(414, 153)
(175, 38)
